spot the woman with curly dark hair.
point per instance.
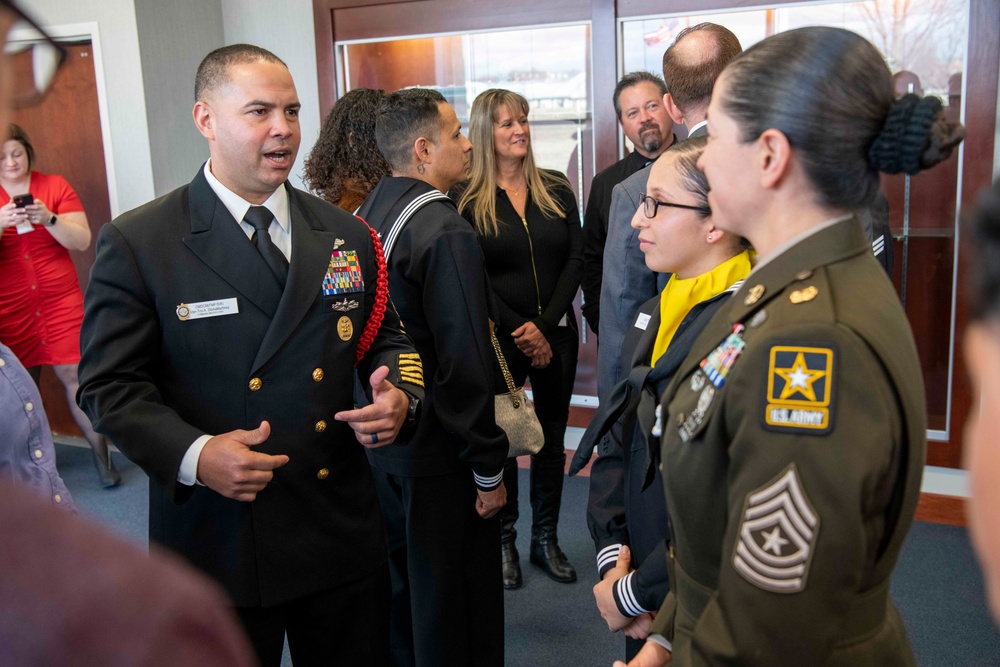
(345, 164)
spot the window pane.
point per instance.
(548, 65)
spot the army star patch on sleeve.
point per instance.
(800, 389)
(777, 535)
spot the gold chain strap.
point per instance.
(502, 360)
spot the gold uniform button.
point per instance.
(803, 295)
(320, 426)
(754, 295)
(256, 384)
(323, 473)
(318, 374)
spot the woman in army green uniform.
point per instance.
(793, 434)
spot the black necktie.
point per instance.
(260, 219)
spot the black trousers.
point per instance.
(447, 597)
(552, 389)
(347, 625)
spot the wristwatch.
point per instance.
(52, 221)
(413, 410)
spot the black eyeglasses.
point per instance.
(650, 205)
(35, 58)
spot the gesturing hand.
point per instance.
(230, 467)
(378, 424)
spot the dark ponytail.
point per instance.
(830, 93)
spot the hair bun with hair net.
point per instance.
(904, 135)
(916, 135)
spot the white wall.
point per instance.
(286, 29)
(174, 37)
(119, 44)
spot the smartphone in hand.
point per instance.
(20, 201)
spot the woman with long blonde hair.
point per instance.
(528, 224)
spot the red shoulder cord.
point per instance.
(381, 298)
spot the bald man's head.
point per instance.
(694, 61)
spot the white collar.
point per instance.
(237, 206)
(697, 126)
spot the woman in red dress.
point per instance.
(41, 306)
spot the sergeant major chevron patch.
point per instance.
(777, 535)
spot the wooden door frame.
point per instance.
(90, 31)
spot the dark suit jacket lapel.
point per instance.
(311, 248)
(221, 243)
(644, 348)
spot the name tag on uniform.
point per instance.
(217, 308)
(642, 321)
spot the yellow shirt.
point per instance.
(680, 296)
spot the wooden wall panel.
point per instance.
(635, 8)
(437, 16)
(982, 72)
(604, 55)
(415, 61)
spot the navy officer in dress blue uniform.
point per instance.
(222, 327)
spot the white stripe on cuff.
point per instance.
(488, 482)
(608, 556)
(627, 597)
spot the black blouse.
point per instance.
(535, 264)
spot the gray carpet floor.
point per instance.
(937, 585)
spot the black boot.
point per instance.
(511, 560)
(106, 472)
(546, 554)
(547, 475)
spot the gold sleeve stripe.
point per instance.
(406, 373)
(411, 365)
(409, 355)
(418, 381)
